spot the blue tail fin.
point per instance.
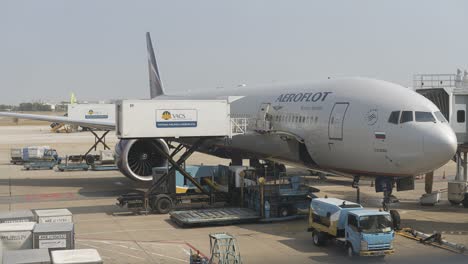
(156, 88)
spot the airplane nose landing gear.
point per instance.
(355, 185)
(385, 185)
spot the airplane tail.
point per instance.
(156, 88)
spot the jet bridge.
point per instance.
(449, 92)
(172, 119)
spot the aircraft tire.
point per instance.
(319, 238)
(396, 219)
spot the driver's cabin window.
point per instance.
(406, 116)
(352, 222)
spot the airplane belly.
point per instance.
(253, 146)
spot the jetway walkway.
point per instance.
(449, 92)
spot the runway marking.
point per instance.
(180, 243)
(128, 255)
(161, 255)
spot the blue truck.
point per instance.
(362, 232)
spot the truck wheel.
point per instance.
(395, 219)
(162, 204)
(454, 203)
(350, 251)
(90, 159)
(318, 238)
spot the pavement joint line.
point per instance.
(136, 242)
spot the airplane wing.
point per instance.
(100, 124)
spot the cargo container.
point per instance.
(16, 216)
(26, 256)
(16, 155)
(16, 236)
(91, 112)
(173, 118)
(54, 236)
(53, 216)
(34, 152)
(77, 256)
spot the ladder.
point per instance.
(224, 249)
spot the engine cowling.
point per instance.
(136, 158)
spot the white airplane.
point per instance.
(354, 127)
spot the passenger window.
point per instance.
(406, 116)
(394, 117)
(440, 117)
(424, 117)
(461, 116)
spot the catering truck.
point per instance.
(362, 231)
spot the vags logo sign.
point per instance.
(176, 118)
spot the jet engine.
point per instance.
(136, 158)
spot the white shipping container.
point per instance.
(107, 156)
(54, 236)
(53, 216)
(91, 112)
(76, 256)
(15, 236)
(16, 153)
(173, 118)
(26, 256)
(16, 216)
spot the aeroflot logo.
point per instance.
(303, 97)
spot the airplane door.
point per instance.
(263, 117)
(335, 124)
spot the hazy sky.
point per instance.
(97, 48)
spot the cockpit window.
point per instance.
(424, 117)
(394, 117)
(440, 117)
(406, 116)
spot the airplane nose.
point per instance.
(440, 147)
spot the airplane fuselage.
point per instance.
(338, 125)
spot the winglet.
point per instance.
(154, 77)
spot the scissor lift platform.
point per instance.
(214, 216)
(173, 119)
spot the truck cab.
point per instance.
(369, 232)
(362, 231)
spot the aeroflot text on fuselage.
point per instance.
(302, 97)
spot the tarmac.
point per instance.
(121, 237)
